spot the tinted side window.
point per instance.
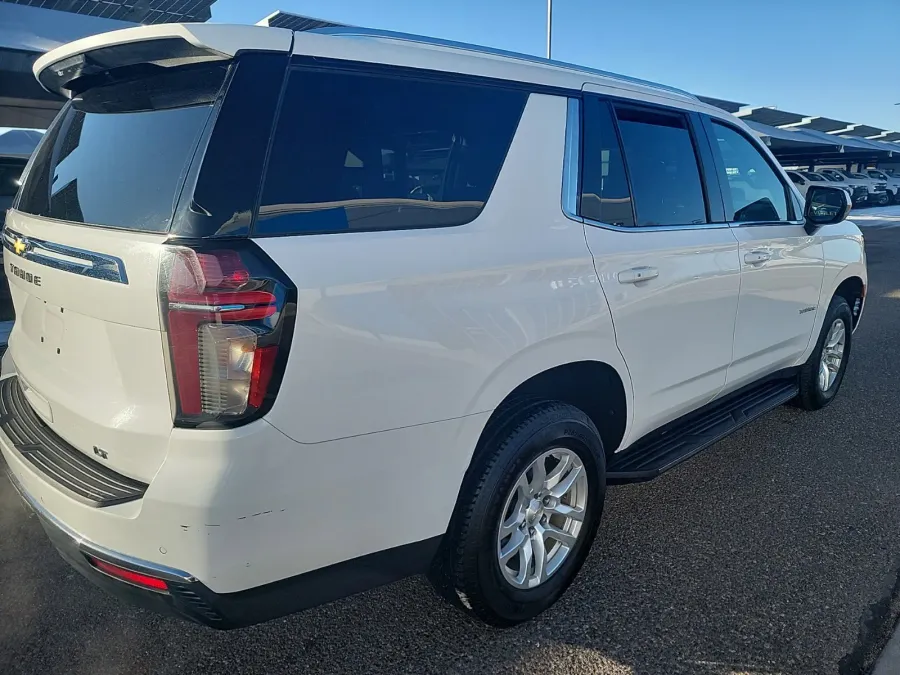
(665, 176)
(363, 152)
(605, 196)
(757, 193)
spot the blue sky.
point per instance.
(754, 52)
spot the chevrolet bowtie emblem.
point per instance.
(19, 246)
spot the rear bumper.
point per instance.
(245, 524)
(188, 598)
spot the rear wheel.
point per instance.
(822, 374)
(527, 514)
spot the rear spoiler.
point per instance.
(71, 68)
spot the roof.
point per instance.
(279, 19)
(136, 11)
(768, 115)
(729, 106)
(407, 40)
(862, 130)
(35, 30)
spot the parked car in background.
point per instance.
(891, 182)
(10, 173)
(815, 177)
(799, 180)
(860, 187)
(878, 193)
(806, 179)
(877, 190)
(349, 306)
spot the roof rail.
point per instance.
(352, 31)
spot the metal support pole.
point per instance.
(549, 27)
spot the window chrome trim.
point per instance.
(655, 228)
(572, 160)
(66, 258)
(767, 223)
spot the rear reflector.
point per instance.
(123, 574)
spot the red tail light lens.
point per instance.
(135, 578)
(228, 314)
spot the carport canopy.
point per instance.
(25, 33)
(806, 146)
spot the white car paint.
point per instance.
(404, 344)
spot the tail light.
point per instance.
(228, 314)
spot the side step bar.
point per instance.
(664, 448)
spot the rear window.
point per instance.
(117, 154)
(358, 152)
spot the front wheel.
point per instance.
(527, 514)
(822, 374)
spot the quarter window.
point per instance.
(755, 190)
(662, 164)
(359, 152)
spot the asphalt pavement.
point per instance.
(775, 551)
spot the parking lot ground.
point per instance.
(775, 551)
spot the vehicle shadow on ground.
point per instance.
(761, 555)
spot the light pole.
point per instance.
(549, 26)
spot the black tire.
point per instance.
(811, 396)
(467, 571)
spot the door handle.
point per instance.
(637, 274)
(757, 257)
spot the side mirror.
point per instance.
(825, 205)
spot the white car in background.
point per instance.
(804, 180)
(816, 177)
(891, 182)
(876, 194)
(798, 180)
(859, 189)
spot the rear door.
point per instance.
(781, 265)
(82, 247)
(669, 270)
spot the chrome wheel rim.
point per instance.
(832, 355)
(542, 518)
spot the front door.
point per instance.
(671, 276)
(781, 265)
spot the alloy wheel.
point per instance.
(542, 518)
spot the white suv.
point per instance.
(891, 183)
(299, 314)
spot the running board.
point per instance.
(664, 448)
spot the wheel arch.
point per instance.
(587, 376)
(853, 290)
